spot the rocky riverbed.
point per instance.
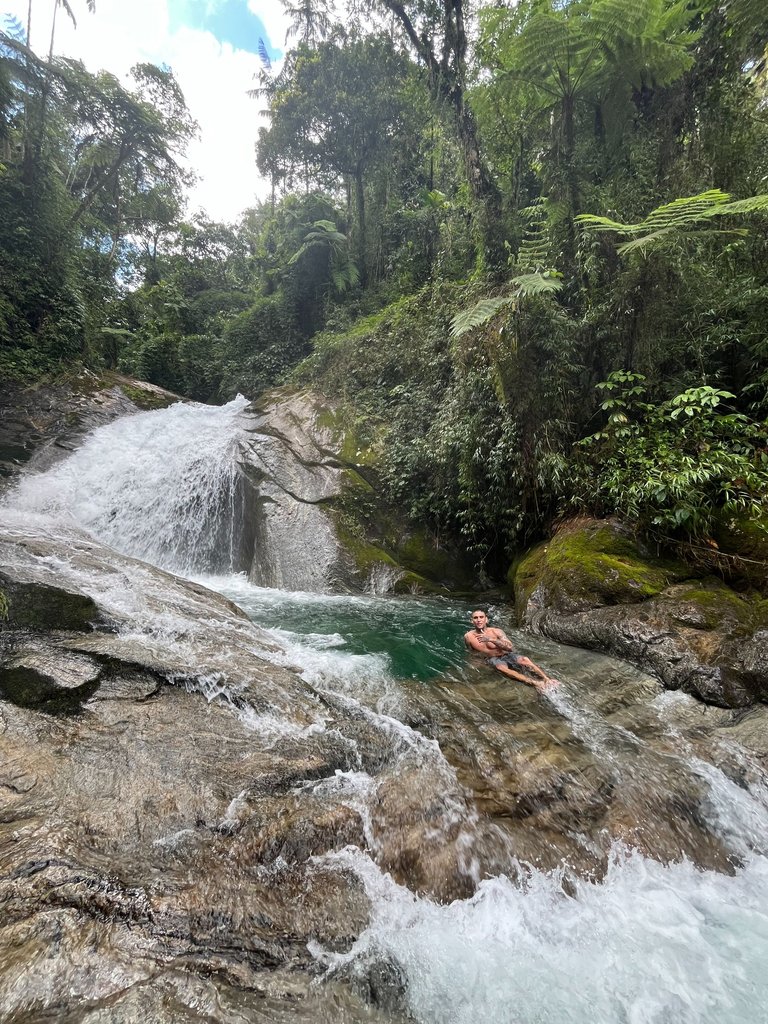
(203, 819)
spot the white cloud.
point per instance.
(273, 18)
(214, 78)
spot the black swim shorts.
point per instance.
(510, 660)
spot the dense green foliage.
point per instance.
(528, 242)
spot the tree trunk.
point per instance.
(446, 83)
(571, 177)
(361, 226)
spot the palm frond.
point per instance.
(68, 9)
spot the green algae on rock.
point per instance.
(590, 563)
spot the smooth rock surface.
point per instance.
(292, 462)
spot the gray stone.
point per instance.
(35, 676)
(293, 465)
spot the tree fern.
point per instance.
(479, 314)
(677, 220)
(534, 283)
(534, 273)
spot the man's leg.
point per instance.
(522, 660)
(519, 676)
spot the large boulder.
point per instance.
(593, 586)
(315, 513)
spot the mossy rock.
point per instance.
(372, 532)
(357, 443)
(373, 564)
(711, 605)
(147, 399)
(592, 563)
(374, 536)
(145, 396)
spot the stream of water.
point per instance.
(673, 929)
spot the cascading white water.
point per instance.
(650, 943)
(161, 486)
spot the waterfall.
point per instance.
(162, 486)
(650, 911)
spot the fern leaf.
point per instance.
(658, 237)
(754, 204)
(675, 220)
(538, 283)
(478, 314)
(592, 222)
(685, 211)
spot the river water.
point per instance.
(616, 867)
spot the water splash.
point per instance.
(649, 944)
(162, 486)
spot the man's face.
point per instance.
(479, 620)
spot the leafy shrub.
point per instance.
(259, 346)
(672, 467)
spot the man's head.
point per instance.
(479, 619)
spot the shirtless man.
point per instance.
(500, 652)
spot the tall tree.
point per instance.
(591, 56)
(339, 110)
(437, 33)
(311, 20)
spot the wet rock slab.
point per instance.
(155, 825)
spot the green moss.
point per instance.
(147, 399)
(714, 605)
(526, 572)
(357, 440)
(594, 563)
(744, 535)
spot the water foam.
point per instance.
(160, 485)
(649, 944)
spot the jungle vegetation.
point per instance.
(524, 243)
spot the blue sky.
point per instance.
(230, 21)
(212, 47)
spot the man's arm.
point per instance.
(502, 641)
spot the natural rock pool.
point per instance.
(322, 810)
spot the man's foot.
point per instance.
(547, 684)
